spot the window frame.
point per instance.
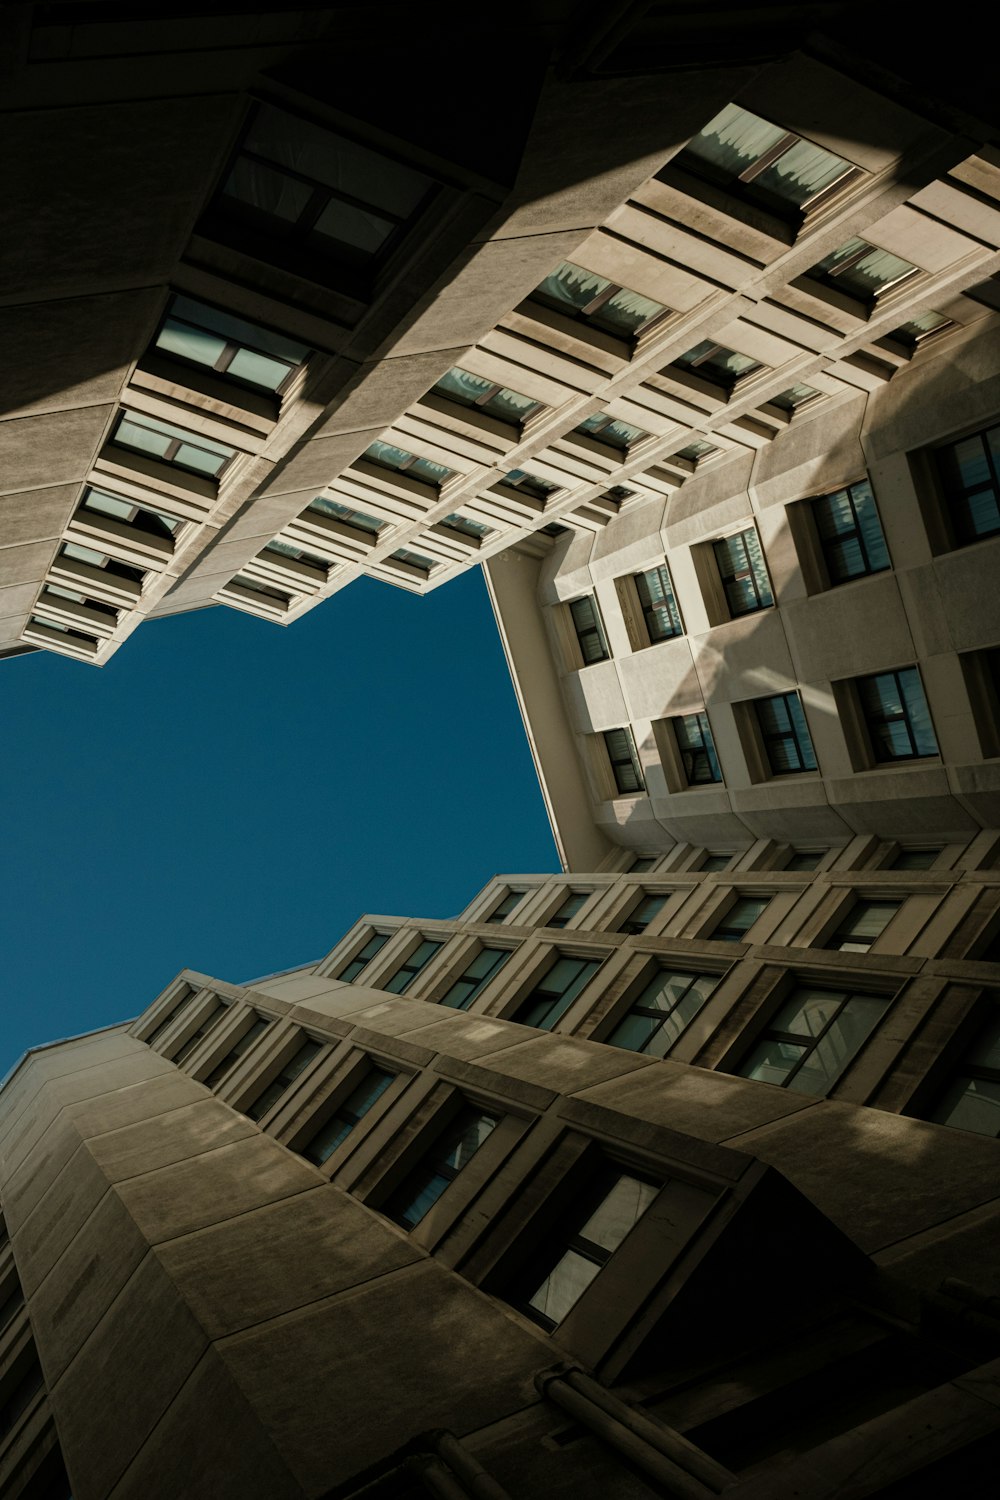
(744, 573)
(769, 737)
(630, 758)
(662, 971)
(784, 995)
(868, 720)
(533, 996)
(595, 629)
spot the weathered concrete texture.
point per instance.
(50, 448)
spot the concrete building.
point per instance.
(682, 1181)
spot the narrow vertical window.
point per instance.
(744, 577)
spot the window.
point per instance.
(53, 594)
(645, 909)
(692, 454)
(804, 859)
(236, 1051)
(308, 189)
(413, 559)
(322, 506)
(363, 957)
(716, 364)
(897, 716)
(504, 908)
(593, 1229)
(589, 630)
(739, 919)
(353, 1108)
(970, 477)
(408, 971)
(920, 330)
(177, 1009)
(914, 859)
(220, 341)
(713, 862)
(439, 1168)
(667, 1004)
(487, 395)
(862, 271)
(295, 1065)
(981, 672)
(90, 641)
(555, 991)
(171, 445)
(812, 1039)
(697, 749)
(765, 164)
(624, 762)
(530, 484)
(109, 565)
(850, 534)
(783, 729)
(971, 1100)
(388, 456)
(470, 984)
(268, 595)
(744, 577)
(574, 902)
(642, 863)
(658, 603)
(601, 303)
(187, 1047)
(794, 397)
(865, 922)
(278, 551)
(608, 430)
(150, 522)
(465, 527)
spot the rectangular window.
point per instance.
(970, 477)
(971, 1101)
(590, 1233)
(278, 551)
(574, 902)
(920, 330)
(718, 365)
(656, 1018)
(464, 527)
(109, 565)
(266, 596)
(171, 445)
(814, 1036)
(658, 604)
(783, 729)
(243, 352)
(611, 432)
(503, 909)
(589, 630)
(915, 859)
(713, 862)
(555, 991)
(295, 1065)
(804, 859)
(794, 398)
(338, 1127)
(862, 271)
(850, 534)
(401, 461)
(865, 922)
(471, 983)
(642, 863)
(645, 909)
(187, 1047)
(744, 576)
(625, 766)
(439, 1168)
(530, 484)
(236, 1051)
(363, 957)
(413, 560)
(697, 749)
(897, 716)
(371, 525)
(149, 522)
(178, 1009)
(487, 395)
(739, 919)
(595, 300)
(408, 971)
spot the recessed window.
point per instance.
(970, 478)
(466, 527)
(348, 1113)
(896, 715)
(765, 164)
(981, 673)
(487, 395)
(694, 453)
(413, 559)
(588, 1236)
(256, 1029)
(589, 630)
(785, 734)
(915, 859)
(267, 595)
(503, 909)
(850, 533)
(278, 551)
(716, 364)
(667, 1004)
(309, 189)
(401, 461)
(574, 902)
(624, 762)
(610, 431)
(187, 1047)
(470, 984)
(243, 352)
(53, 595)
(181, 1005)
(971, 1100)
(322, 506)
(363, 957)
(555, 992)
(439, 1168)
(71, 634)
(109, 565)
(713, 862)
(152, 522)
(862, 271)
(795, 397)
(408, 971)
(295, 1065)
(658, 603)
(596, 300)
(642, 863)
(804, 859)
(813, 1038)
(699, 761)
(740, 562)
(739, 919)
(645, 909)
(530, 484)
(171, 445)
(921, 329)
(865, 922)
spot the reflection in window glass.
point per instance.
(488, 395)
(972, 1099)
(555, 992)
(699, 761)
(744, 577)
(862, 270)
(455, 1149)
(323, 506)
(598, 301)
(658, 1016)
(740, 918)
(321, 1146)
(470, 984)
(228, 344)
(813, 1038)
(783, 728)
(388, 456)
(172, 445)
(897, 716)
(850, 533)
(658, 603)
(970, 474)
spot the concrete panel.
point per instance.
(27, 564)
(746, 658)
(954, 604)
(318, 1244)
(859, 627)
(148, 1145)
(314, 464)
(53, 448)
(661, 681)
(15, 602)
(562, 1063)
(382, 389)
(969, 1241)
(36, 515)
(60, 1214)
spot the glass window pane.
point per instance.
(733, 141)
(623, 1207)
(196, 344)
(563, 1286)
(841, 1043)
(971, 1104)
(460, 385)
(272, 192)
(508, 406)
(572, 286)
(357, 228)
(258, 369)
(463, 1146)
(634, 1033)
(771, 1061)
(626, 312)
(801, 172)
(808, 1011)
(336, 162)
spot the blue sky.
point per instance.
(231, 796)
